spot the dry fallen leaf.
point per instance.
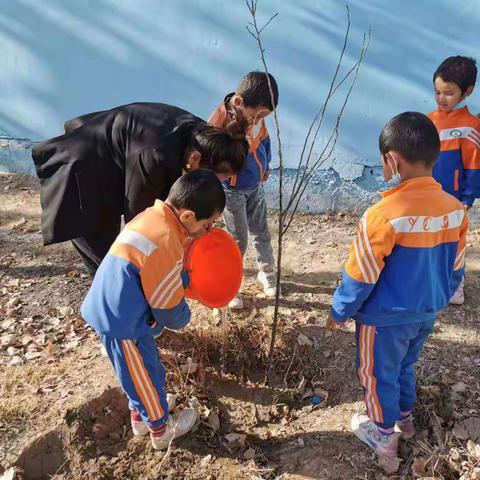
(52, 348)
(8, 339)
(249, 454)
(32, 355)
(16, 360)
(236, 440)
(65, 311)
(13, 473)
(468, 429)
(419, 467)
(13, 302)
(189, 367)
(11, 351)
(6, 324)
(213, 421)
(26, 339)
(302, 339)
(459, 387)
(205, 460)
(473, 449)
(389, 464)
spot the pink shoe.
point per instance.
(458, 297)
(406, 428)
(367, 431)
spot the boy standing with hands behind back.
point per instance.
(458, 166)
(406, 260)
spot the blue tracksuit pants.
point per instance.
(141, 375)
(386, 358)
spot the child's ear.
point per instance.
(468, 91)
(237, 101)
(188, 217)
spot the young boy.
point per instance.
(458, 167)
(406, 260)
(246, 210)
(139, 289)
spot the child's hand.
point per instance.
(332, 324)
(266, 176)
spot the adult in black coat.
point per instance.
(117, 162)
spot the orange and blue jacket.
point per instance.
(138, 287)
(458, 167)
(259, 154)
(407, 259)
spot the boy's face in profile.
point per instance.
(197, 228)
(252, 114)
(448, 94)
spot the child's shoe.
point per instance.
(178, 424)
(236, 303)
(138, 426)
(406, 428)
(269, 282)
(458, 297)
(368, 432)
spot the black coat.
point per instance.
(109, 164)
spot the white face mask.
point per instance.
(254, 130)
(396, 178)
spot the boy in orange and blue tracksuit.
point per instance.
(246, 209)
(458, 166)
(406, 260)
(138, 291)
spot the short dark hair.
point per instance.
(222, 149)
(461, 71)
(255, 92)
(413, 135)
(199, 191)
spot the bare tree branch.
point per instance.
(297, 188)
(321, 112)
(307, 164)
(308, 174)
(252, 6)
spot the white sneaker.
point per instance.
(236, 303)
(178, 424)
(268, 281)
(138, 426)
(458, 298)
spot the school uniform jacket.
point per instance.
(458, 166)
(107, 164)
(407, 259)
(140, 279)
(259, 155)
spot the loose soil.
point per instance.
(62, 415)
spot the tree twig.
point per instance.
(256, 34)
(307, 165)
